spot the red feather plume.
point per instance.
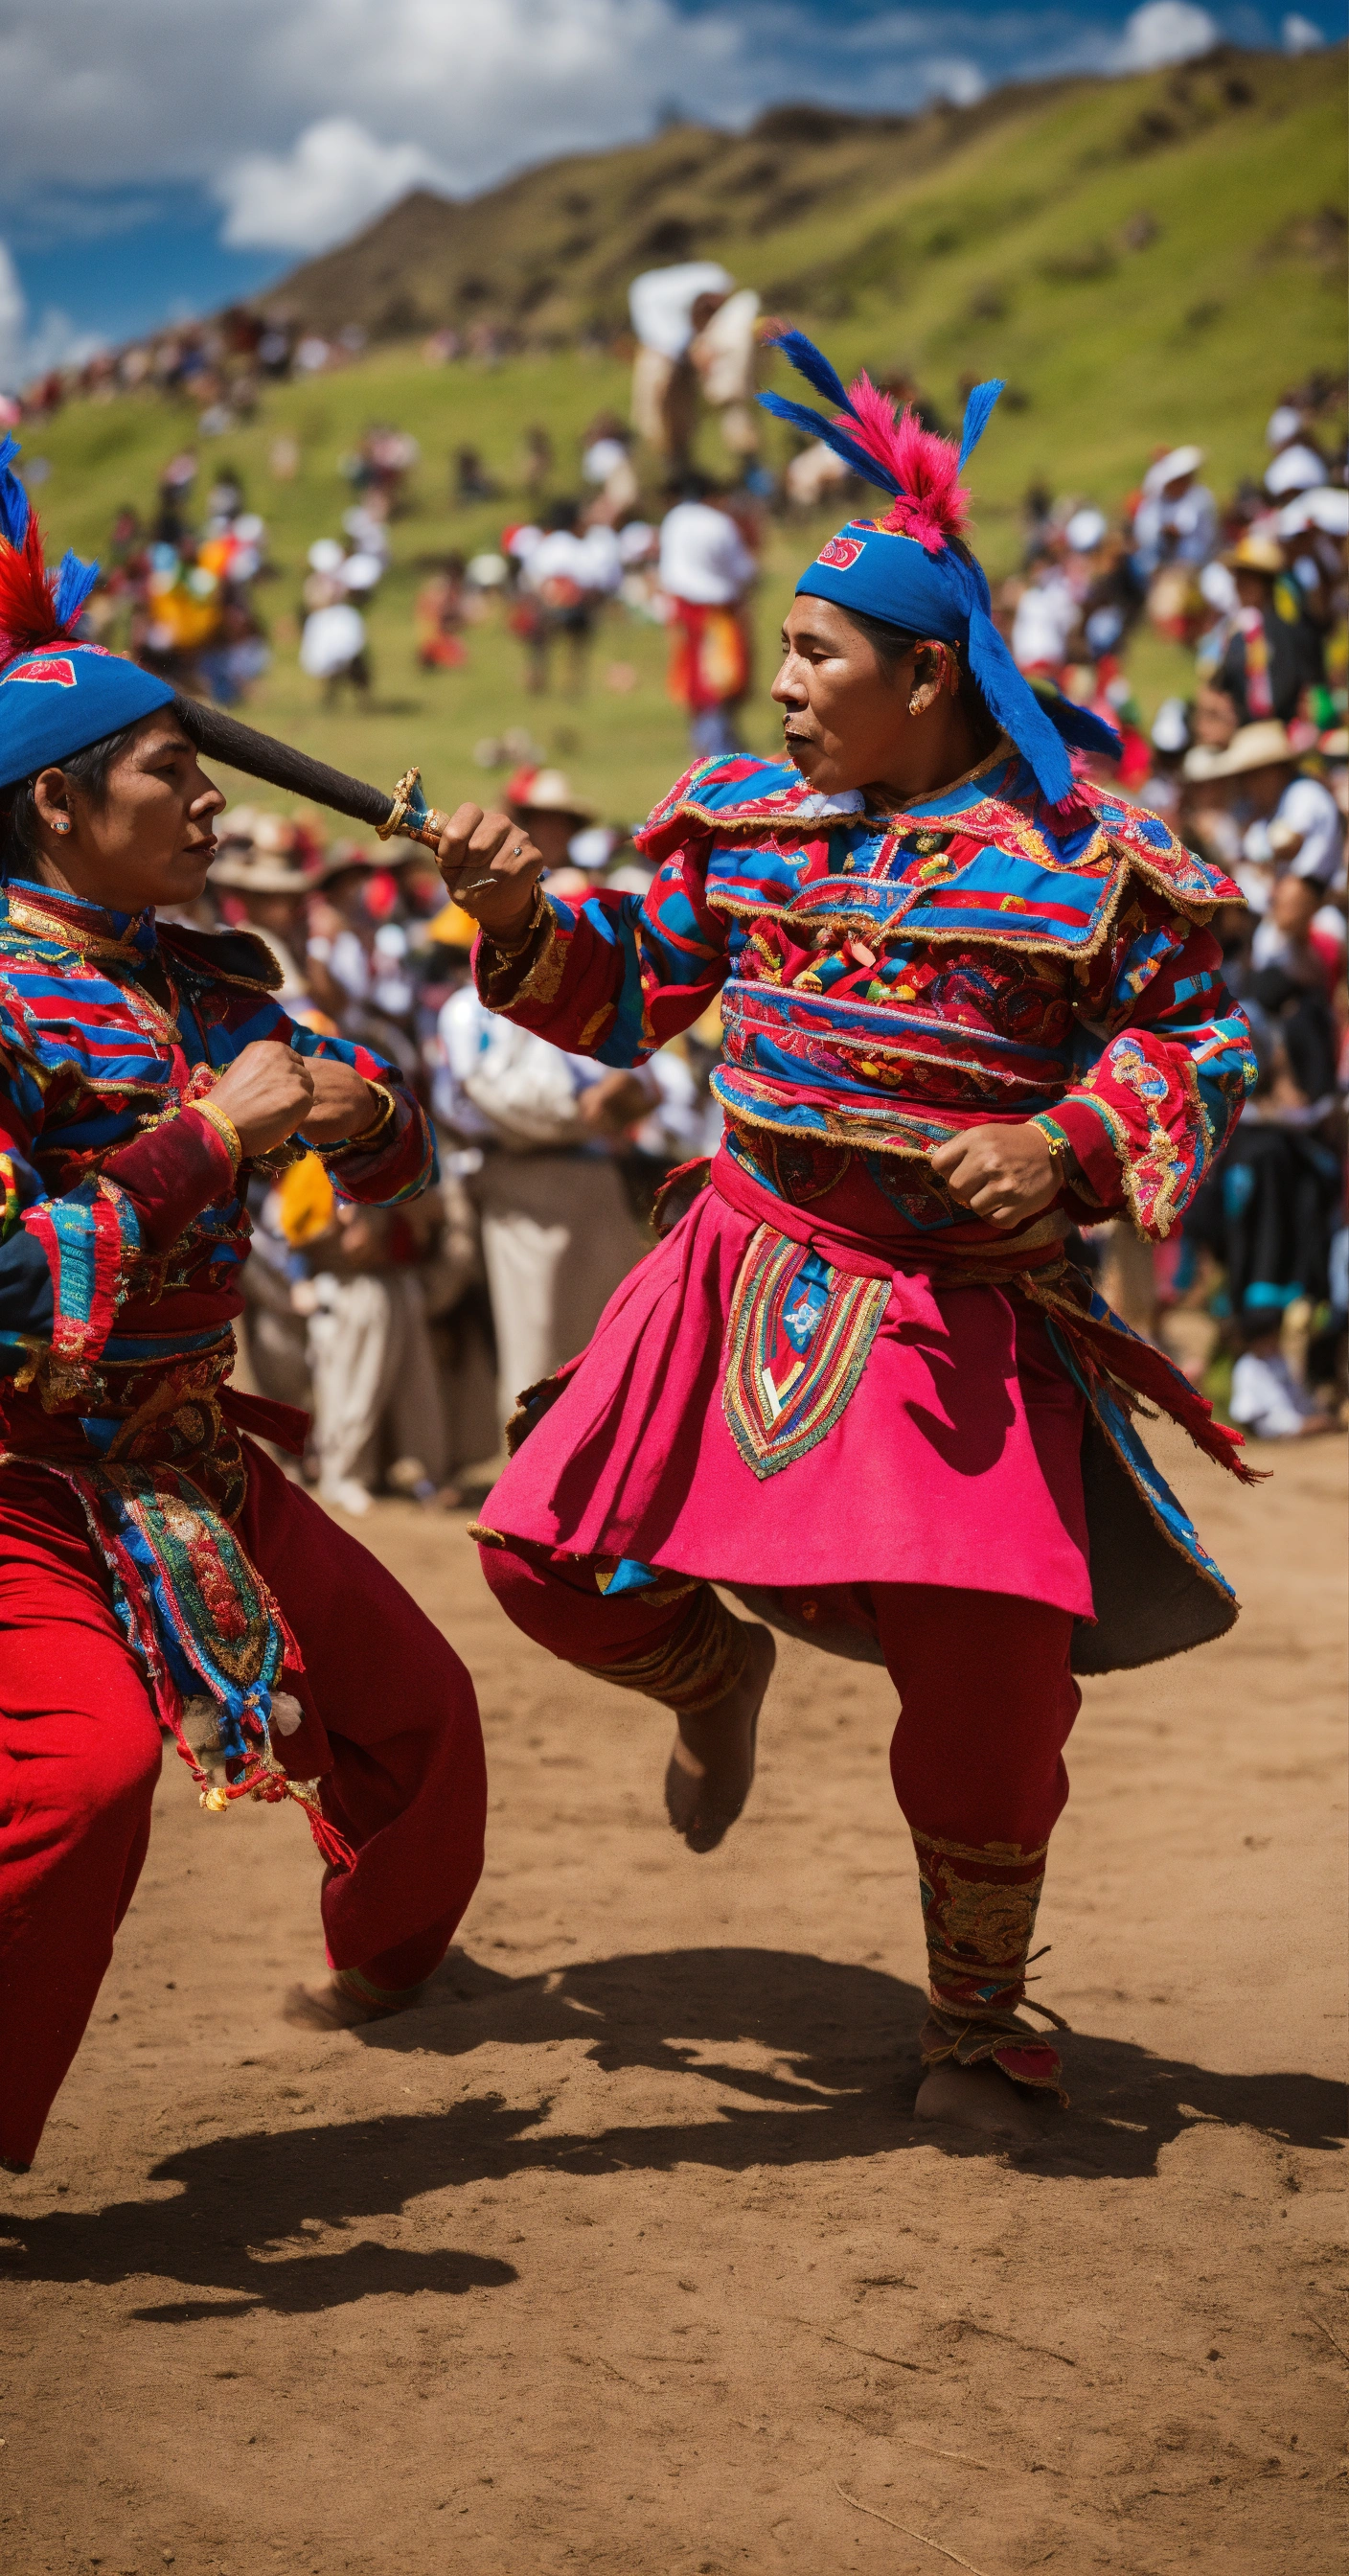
(27, 612)
(933, 505)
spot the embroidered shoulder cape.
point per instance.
(887, 980)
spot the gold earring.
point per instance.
(915, 704)
(59, 823)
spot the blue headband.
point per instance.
(58, 699)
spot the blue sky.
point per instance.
(207, 146)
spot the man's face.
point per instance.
(843, 714)
(1252, 588)
(1293, 904)
(1258, 791)
(1215, 718)
(550, 833)
(282, 913)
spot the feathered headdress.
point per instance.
(919, 470)
(905, 568)
(36, 607)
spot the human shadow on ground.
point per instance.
(845, 2039)
(252, 2217)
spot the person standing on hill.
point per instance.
(967, 1001)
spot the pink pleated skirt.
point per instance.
(956, 1460)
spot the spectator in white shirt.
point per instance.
(1177, 519)
(706, 570)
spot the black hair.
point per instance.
(891, 643)
(86, 771)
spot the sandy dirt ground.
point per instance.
(623, 2251)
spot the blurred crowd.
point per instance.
(1250, 765)
(409, 1333)
(1244, 593)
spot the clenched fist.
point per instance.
(490, 867)
(1002, 1174)
(343, 1102)
(266, 1093)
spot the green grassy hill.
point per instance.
(1145, 261)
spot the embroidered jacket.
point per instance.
(886, 981)
(123, 1226)
(121, 1241)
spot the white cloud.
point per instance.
(321, 112)
(1164, 31)
(950, 76)
(334, 179)
(1300, 36)
(473, 89)
(27, 351)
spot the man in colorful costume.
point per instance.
(157, 1569)
(966, 1001)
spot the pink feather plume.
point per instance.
(27, 614)
(933, 505)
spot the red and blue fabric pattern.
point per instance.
(123, 1234)
(886, 980)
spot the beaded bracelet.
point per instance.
(224, 1127)
(361, 1143)
(1060, 1152)
(517, 947)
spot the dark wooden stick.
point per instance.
(260, 755)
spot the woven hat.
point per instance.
(1255, 746)
(1169, 469)
(550, 791)
(247, 870)
(1294, 469)
(1255, 553)
(342, 857)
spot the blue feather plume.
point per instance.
(14, 510)
(978, 412)
(1014, 705)
(812, 363)
(74, 581)
(834, 435)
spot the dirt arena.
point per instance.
(623, 2251)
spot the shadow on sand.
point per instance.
(841, 2087)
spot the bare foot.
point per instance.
(980, 2098)
(330, 2007)
(712, 1763)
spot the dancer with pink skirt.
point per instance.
(969, 1000)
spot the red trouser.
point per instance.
(987, 1702)
(80, 1755)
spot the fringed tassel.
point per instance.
(221, 1778)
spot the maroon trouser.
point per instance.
(80, 1755)
(986, 1704)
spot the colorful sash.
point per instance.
(160, 1475)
